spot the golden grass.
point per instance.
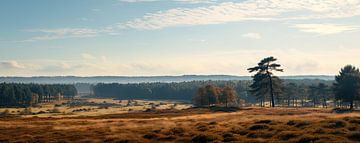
(193, 125)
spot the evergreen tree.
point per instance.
(347, 85)
(264, 81)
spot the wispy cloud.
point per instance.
(220, 13)
(252, 35)
(247, 10)
(182, 1)
(11, 65)
(197, 1)
(87, 56)
(62, 33)
(137, 0)
(324, 29)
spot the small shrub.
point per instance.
(298, 123)
(286, 135)
(55, 110)
(150, 136)
(228, 137)
(335, 124)
(354, 121)
(213, 123)
(204, 138)
(201, 127)
(26, 111)
(263, 122)
(354, 136)
(5, 113)
(258, 127)
(41, 112)
(167, 138)
(240, 131)
(307, 139)
(177, 131)
(259, 134)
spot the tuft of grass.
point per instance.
(150, 136)
(204, 138)
(5, 113)
(238, 130)
(307, 139)
(286, 135)
(355, 136)
(228, 137)
(260, 134)
(176, 131)
(298, 123)
(258, 127)
(202, 126)
(334, 123)
(26, 111)
(263, 122)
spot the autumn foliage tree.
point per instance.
(228, 96)
(212, 95)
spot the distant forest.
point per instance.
(186, 90)
(24, 95)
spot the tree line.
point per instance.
(25, 95)
(344, 92)
(162, 91)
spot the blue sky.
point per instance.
(176, 37)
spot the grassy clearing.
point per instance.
(193, 125)
(91, 107)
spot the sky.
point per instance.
(176, 37)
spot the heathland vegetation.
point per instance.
(130, 116)
(265, 89)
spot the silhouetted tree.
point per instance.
(347, 85)
(323, 92)
(264, 80)
(290, 92)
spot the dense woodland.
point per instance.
(161, 91)
(293, 90)
(265, 89)
(24, 95)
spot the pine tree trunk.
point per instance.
(314, 102)
(302, 102)
(271, 90)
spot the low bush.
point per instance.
(298, 123)
(263, 122)
(354, 136)
(150, 136)
(307, 139)
(335, 123)
(26, 111)
(5, 113)
(204, 138)
(258, 127)
(286, 135)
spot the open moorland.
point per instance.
(189, 125)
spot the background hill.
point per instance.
(140, 79)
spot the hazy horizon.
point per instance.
(176, 37)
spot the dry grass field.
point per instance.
(191, 125)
